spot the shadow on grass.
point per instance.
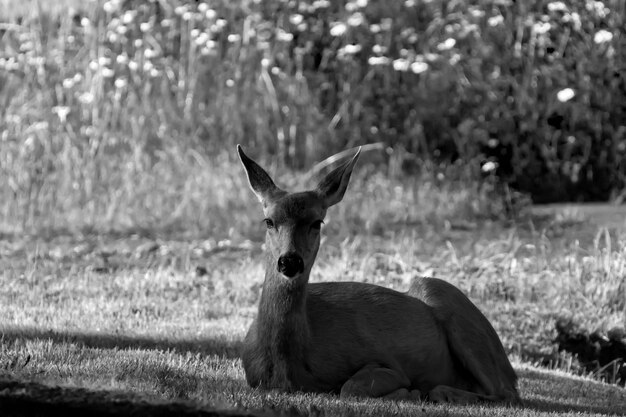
(562, 389)
(20, 398)
(208, 346)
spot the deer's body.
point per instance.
(361, 339)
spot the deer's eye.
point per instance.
(317, 225)
(269, 223)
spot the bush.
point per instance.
(96, 99)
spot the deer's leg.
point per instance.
(375, 381)
(447, 394)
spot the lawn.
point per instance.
(161, 318)
(131, 246)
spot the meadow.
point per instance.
(131, 246)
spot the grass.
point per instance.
(148, 322)
(130, 245)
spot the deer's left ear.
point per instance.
(260, 181)
(332, 188)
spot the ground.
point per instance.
(152, 319)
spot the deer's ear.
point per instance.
(260, 181)
(332, 188)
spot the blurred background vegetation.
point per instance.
(124, 114)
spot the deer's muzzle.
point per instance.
(290, 264)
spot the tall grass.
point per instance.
(120, 114)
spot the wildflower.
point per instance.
(128, 17)
(283, 36)
(133, 65)
(234, 37)
(154, 72)
(104, 60)
(202, 38)
(194, 33)
(494, 21)
(409, 3)
(68, 83)
(78, 77)
(111, 6)
(349, 49)
(120, 83)
(565, 94)
(166, 23)
(107, 72)
(338, 29)
(602, 36)
(379, 49)
(230, 83)
(85, 22)
(542, 28)
(138, 43)
(93, 65)
(122, 59)
(378, 60)
(418, 67)
(220, 24)
(477, 13)
(320, 4)
(489, 166)
(296, 19)
(356, 19)
(121, 29)
(203, 7)
(557, 6)
(187, 16)
(61, 112)
(145, 26)
(447, 44)
(361, 3)
(401, 64)
(180, 10)
(375, 28)
(210, 14)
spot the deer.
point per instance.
(358, 339)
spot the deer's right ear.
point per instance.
(260, 181)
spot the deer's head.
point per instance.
(294, 220)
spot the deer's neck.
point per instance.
(283, 327)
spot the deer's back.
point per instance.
(354, 324)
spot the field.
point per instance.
(131, 245)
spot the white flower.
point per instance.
(361, 3)
(338, 29)
(401, 64)
(349, 49)
(356, 19)
(107, 72)
(557, 6)
(86, 98)
(283, 36)
(565, 94)
(379, 49)
(418, 67)
(447, 44)
(602, 36)
(296, 19)
(378, 60)
(494, 21)
(120, 83)
(489, 166)
(61, 112)
(542, 27)
(234, 37)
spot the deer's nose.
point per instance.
(290, 264)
